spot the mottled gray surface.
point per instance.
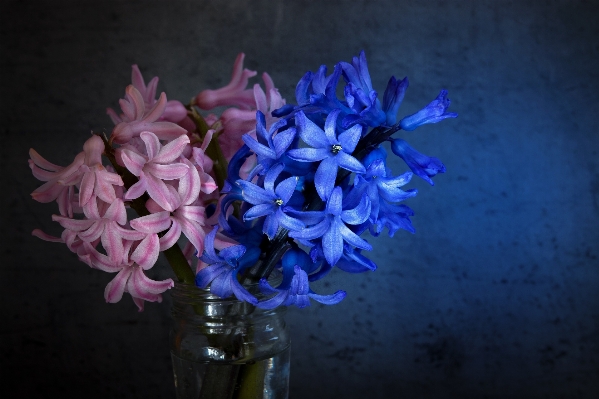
(495, 296)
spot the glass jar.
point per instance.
(226, 348)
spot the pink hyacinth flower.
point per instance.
(186, 218)
(137, 120)
(54, 177)
(106, 226)
(233, 94)
(96, 180)
(174, 111)
(204, 165)
(155, 167)
(132, 279)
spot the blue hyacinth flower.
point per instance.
(331, 150)
(271, 145)
(316, 94)
(394, 94)
(394, 217)
(222, 270)
(320, 93)
(331, 226)
(295, 288)
(380, 186)
(432, 113)
(271, 201)
(298, 293)
(359, 94)
(353, 261)
(422, 165)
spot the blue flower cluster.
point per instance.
(320, 180)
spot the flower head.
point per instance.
(432, 113)
(422, 165)
(235, 93)
(96, 180)
(271, 144)
(295, 288)
(331, 226)
(332, 150)
(222, 270)
(132, 279)
(173, 112)
(360, 96)
(155, 166)
(137, 120)
(270, 201)
(394, 94)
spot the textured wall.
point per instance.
(496, 294)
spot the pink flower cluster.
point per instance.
(156, 142)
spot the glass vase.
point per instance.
(226, 348)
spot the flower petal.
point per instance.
(167, 172)
(271, 226)
(332, 243)
(146, 253)
(133, 161)
(313, 232)
(329, 299)
(254, 194)
(189, 185)
(309, 154)
(259, 210)
(138, 189)
(94, 232)
(286, 188)
(352, 238)
(359, 214)
(157, 110)
(194, 233)
(104, 184)
(324, 178)
(288, 222)
(153, 223)
(115, 289)
(86, 189)
(350, 163)
(310, 133)
(171, 236)
(140, 286)
(172, 150)
(116, 212)
(330, 127)
(241, 293)
(208, 274)
(152, 144)
(283, 140)
(73, 224)
(160, 193)
(349, 138)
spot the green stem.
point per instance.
(220, 381)
(251, 378)
(220, 163)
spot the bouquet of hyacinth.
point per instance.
(230, 198)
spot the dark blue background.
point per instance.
(495, 296)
